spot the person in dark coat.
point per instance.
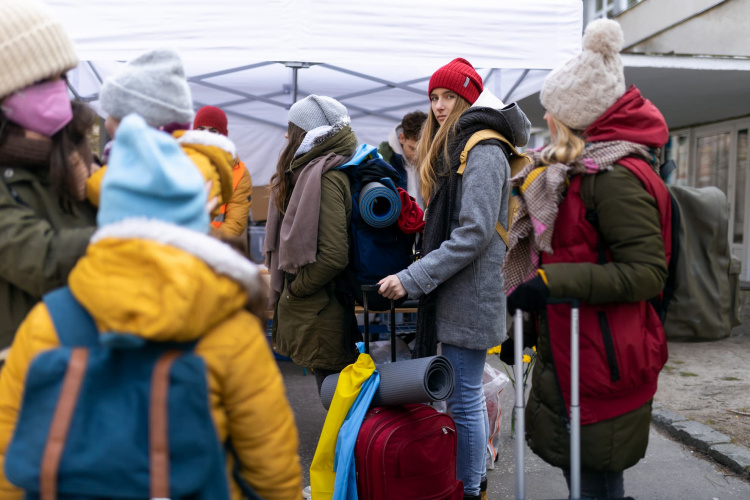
(307, 237)
(458, 280)
(45, 160)
(593, 224)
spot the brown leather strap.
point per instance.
(158, 429)
(58, 433)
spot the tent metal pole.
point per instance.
(515, 85)
(232, 70)
(94, 71)
(246, 95)
(393, 108)
(373, 78)
(362, 111)
(294, 83)
(379, 89)
(78, 96)
(199, 104)
(243, 101)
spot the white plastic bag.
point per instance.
(381, 351)
(493, 383)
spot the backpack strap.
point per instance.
(74, 325)
(61, 419)
(516, 161)
(158, 439)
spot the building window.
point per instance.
(604, 8)
(607, 8)
(678, 149)
(713, 161)
(718, 155)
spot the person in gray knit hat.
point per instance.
(317, 111)
(45, 159)
(152, 85)
(307, 237)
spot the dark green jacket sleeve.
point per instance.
(333, 240)
(33, 255)
(629, 225)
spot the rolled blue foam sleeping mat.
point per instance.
(379, 205)
(422, 380)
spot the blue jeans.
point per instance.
(468, 409)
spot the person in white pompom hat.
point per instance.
(593, 224)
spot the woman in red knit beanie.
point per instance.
(458, 281)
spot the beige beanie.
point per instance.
(33, 45)
(583, 88)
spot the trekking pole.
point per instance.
(376, 288)
(575, 406)
(365, 289)
(393, 331)
(519, 405)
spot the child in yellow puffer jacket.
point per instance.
(153, 271)
(154, 86)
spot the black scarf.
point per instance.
(440, 210)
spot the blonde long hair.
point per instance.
(566, 145)
(431, 140)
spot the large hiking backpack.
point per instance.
(378, 247)
(702, 293)
(700, 298)
(114, 416)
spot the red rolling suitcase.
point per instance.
(405, 452)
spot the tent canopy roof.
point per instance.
(253, 58)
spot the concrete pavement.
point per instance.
(669, 471)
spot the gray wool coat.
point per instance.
(465, 271)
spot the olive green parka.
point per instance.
(41, 239)
(309, 321)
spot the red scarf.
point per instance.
(411, 219)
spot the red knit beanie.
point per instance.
(460, 77)
(211, 116)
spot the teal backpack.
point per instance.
(114, 416)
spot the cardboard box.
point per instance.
(259, 207)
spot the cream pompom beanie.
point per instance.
(33, 45)
(584, 87)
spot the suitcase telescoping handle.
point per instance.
(575, 408)
(374, 288)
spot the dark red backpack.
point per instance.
(407, 452)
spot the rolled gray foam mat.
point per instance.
(412, 381)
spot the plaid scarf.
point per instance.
(540, 189)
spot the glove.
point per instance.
(530, 296)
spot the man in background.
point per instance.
(400, 150)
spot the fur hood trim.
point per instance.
(206, 138)
(217, 255)
(319, 135)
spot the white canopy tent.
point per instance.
(254, 59)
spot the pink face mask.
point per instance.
(43, 108)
